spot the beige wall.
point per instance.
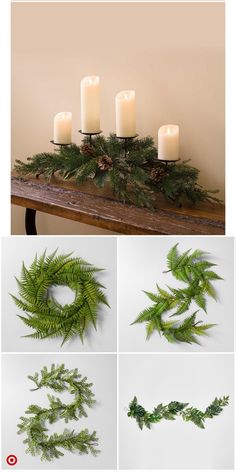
(172, 54)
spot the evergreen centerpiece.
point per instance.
(136, 176)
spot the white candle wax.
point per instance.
(62, 127)
(168, 143)
(90, 104)
(125, 114)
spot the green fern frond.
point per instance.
(172, 257)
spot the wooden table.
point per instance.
(99, 208)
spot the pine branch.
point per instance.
(174, 409)
(135, 178)
(44, 314)
(192, 268)
(58, 378)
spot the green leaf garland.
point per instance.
(196, 272)
(135, 178)
(174, 409)
(45, 315)
(38, 442)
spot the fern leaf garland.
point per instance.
(192, 268)
(173, 410)
(38, 442)
(44, 314)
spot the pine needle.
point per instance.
(59, 379)
(137, 179)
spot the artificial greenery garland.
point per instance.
(195, 270)
(135, 178)
(59, 379)
(44, 314)
(173, 409)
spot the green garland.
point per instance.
(136, 178)
(59, 379)
(193, 269)
(45, 315)
(173, 409)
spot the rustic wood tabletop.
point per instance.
(88, 205)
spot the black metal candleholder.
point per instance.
(167, 162)
(60, 144)
(90, 135)
(126, 139)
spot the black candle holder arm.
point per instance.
(90, 135)
(126, 140)
(61, 145)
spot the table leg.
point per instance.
(30, 225)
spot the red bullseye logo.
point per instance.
(11, 460)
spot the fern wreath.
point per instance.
(38, 442)
(43, 313)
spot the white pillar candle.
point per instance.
(62, 127)
(125, 114)
(90, 104)
(168, 143)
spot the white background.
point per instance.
(161, 378)
(98, 251)
(141, 265)
(100, 370)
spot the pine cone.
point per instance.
(105, 162)
(87, 149)
(157, 174)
